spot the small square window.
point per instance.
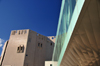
(26, 55)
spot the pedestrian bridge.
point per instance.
(80, 44)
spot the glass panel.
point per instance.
(66, 16)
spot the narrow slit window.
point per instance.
(41, 45)
(22, 32)
(51, 44)
(18, 50)
(19, 32)
(38, 44)
(21, 48)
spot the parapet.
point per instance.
(19, 32)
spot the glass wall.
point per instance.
(66, 13)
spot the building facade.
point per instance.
(27, 48)
(78, 34)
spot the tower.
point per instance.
(27, 48)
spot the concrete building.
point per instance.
(77, 39)
(27, 48)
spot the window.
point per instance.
(19, 33)
(51, 44)
(20, 49)
(50, 64)
(22, 32)
(26, 55)
(41, 45)
(38, 44)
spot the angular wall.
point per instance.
(81, 46)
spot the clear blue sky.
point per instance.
(38, 15)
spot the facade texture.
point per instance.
(26, 48)
(78, 34)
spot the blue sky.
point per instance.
(38, 15)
